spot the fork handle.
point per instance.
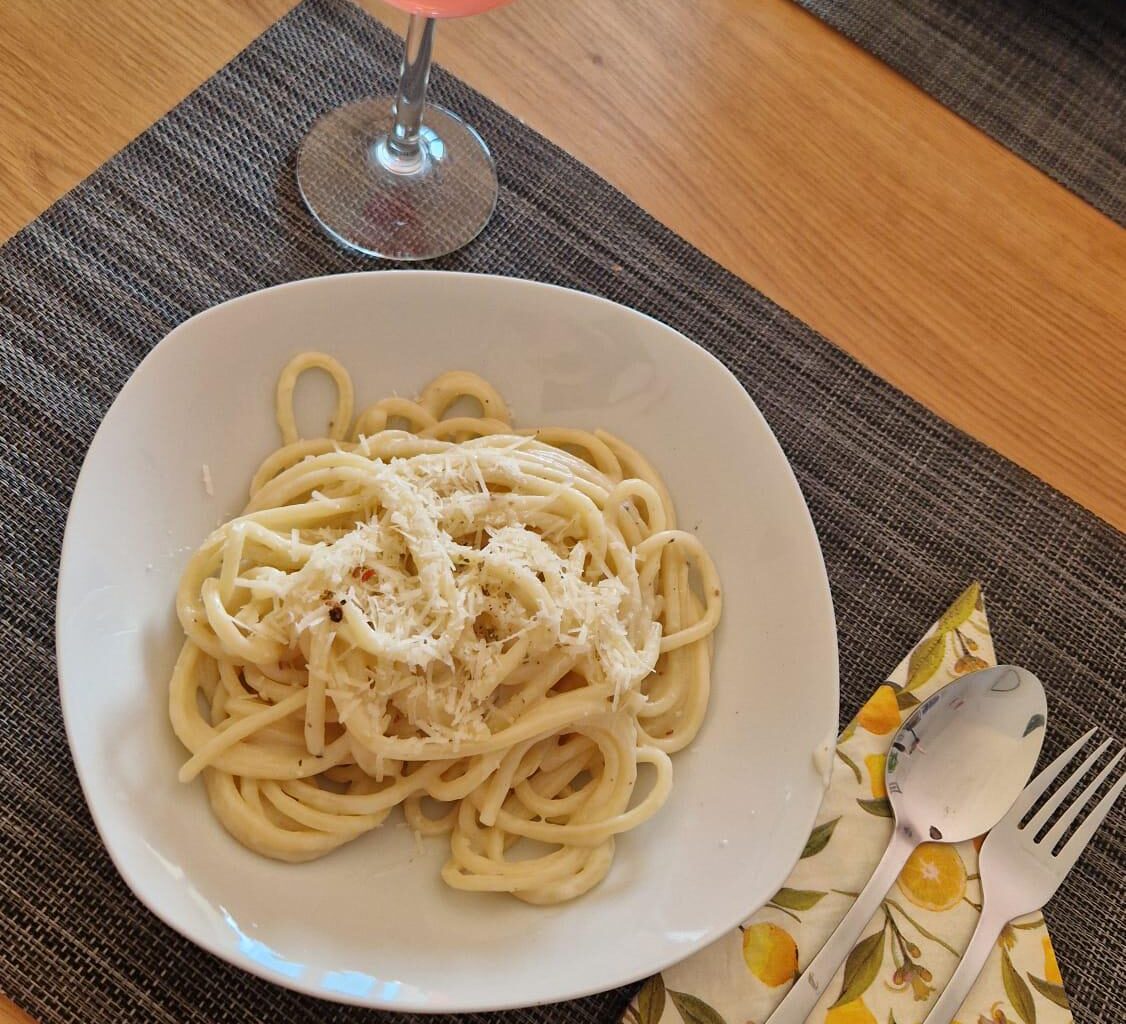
(802, 998)
(984, 938)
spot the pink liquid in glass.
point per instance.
(446, 8)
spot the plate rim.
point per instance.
(203, 940)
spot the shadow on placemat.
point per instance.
(201, 208)
(1045, 78)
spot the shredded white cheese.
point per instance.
(451, 585)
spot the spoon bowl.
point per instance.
(962, 757)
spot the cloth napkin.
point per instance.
(912, 945)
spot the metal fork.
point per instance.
(1019, 874)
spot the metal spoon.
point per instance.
(955, 767)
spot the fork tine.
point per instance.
(1059, 829)
(1036, 787)
(1064, 790)
(1076, 844)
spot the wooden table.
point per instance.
(795, 159)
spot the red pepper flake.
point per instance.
(336, 613)
(367, 575)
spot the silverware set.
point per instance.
(955, 770)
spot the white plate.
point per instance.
(373, 924)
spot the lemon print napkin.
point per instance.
(912, 945)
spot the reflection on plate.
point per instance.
(372, 924)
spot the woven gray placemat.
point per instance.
(1046, 78)
(201, 208)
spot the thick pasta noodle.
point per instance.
(491, 628)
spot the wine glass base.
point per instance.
(383, 207)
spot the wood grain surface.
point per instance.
(932, 254)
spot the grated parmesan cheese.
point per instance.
(452, 585)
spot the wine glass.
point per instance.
(401, 178)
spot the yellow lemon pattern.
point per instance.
(913, 943)
(1051, 968)
(855, 1012)
(934, 878)
(876, 764)
(770, 953)
(881, 714)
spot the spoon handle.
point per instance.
(801, 999)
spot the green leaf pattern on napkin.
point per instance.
(909, 949)
(861, 968)
(819, 838)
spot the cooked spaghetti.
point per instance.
(490, 628)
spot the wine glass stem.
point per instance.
(402, 141)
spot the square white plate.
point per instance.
(372, 923)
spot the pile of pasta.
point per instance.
(492, 629)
